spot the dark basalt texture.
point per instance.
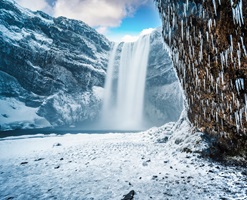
(208, 41)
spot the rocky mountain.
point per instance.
(208, 46)
(163, 95)
(52, 66)
(52, 72)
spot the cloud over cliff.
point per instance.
(101, 14)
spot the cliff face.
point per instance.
(163, 96)
(208, 42)
(55, 65)
(52, 72)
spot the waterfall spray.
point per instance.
(124, 93)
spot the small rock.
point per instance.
(162, 140)
(244, 173)
(24, 163)
(129, 196)
(57, 145)
(166, 161)
(178, 141)
(5, 115)
(61, 158)
(57, 167)
(10, 198)
(39, 159)
(168, 194)
(154, 177)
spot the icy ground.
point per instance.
(108, 166)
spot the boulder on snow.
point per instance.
(129, 196)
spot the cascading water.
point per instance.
(125, 85)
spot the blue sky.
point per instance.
(146, 16)
(113, 18)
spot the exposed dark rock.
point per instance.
(57, 145)
(163, 140)
(24, 163)
(208, 47)
(39, 159)
(129, 196)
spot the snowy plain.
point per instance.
(160, 163)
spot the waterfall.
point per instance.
(125, 85)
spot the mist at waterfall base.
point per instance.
(141, 89)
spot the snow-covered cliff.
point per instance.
(163, 96)
(52, 72)
(53, 66)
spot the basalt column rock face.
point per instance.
(208, 41)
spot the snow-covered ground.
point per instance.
(13, 115)
(108, 166)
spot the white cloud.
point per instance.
(102, 29)
(97, 13)
(133, 38)
(101, 14)
(147, 31)
(36, 5)
(129, 38)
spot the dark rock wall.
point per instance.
(208, 41)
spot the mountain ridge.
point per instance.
(55, 68)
